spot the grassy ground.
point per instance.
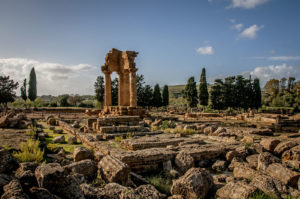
(51, 135)
(162, 182)
(12, 138)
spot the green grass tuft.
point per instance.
(30, 152)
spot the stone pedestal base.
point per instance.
(123, 110)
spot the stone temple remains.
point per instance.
(121, 62)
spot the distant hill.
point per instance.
(176, 90)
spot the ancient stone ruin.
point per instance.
(121, 62)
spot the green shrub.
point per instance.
(162, 182)
(154, 128)
(168, 130)
(30, 152)
(167, 124)
(118, 138)
(129, 135)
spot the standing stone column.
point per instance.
(107, 92)
(126, 88)
(133, 93)
(120, 90)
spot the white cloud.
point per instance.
(206, 50)
(265, 73)
(279, 58)
(232, 20)
(284, 58)
(247, 4)
(238, 27)
(250, 32)
(52, 78)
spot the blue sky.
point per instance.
(66, 41)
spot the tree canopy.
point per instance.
(99, 89)
(190, 92)
(7, 90)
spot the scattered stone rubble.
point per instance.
(224, 159)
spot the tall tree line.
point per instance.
(234, 91)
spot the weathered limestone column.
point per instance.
(126, 90)
(133, 93)
(121, 90)
(107, 92)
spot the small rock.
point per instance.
(72, 140)
(236, 190)
(294, 164)
(252, 160)
(76, 124)
(58, 131)
(219, 165)
(13, 190)
(247, 139)
(269, 143)
(82, 153)
(59, 139)
(244, 170)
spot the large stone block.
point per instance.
(184, 161)
(7, 162)
(236, 190)
(87, 167)
(82, 153)
(196, 183)
(114, 170)
(284, 146)
(283, 174)
(244, 170)
(265, 159)
(269, 143)
(52, 177)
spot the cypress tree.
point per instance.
(165, 96)
(99, 89)
(229, 91)
(190, 92)
(24, 90)
(32, 91)
(217, 95)
(203, 92)
(157, 101)
(148, 95)
(257, 94)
